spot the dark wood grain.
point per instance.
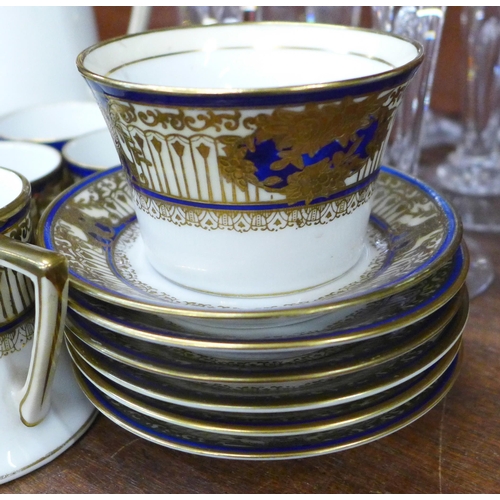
(455, 448)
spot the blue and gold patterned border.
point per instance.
(424, 233)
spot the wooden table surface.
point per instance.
(455, 448)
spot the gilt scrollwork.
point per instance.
(301, 154)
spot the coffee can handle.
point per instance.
(49, 273)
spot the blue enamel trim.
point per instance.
(19, 320)
(429, 395)
(255, 206)
(79, 171)
(58, 144)
(251, 99)
(83, 171)
(15, 218)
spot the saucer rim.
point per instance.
(278, 428)
(63, 431)
(299, 401)
(195, 340)
(452, 240)
(320, 449)
(200, 372)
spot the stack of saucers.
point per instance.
(264, 378)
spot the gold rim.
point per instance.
(319, 450)
(54, 453)
(156, 89)
(54, 175)
(21, 200)
(269, 345)
(296, 374)
(277, 429)
(80, 164)
(295, 403)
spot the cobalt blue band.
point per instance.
(255, 206)
(248, 99)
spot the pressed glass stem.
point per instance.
(481, 28)
(424, 24)
(481, 273)
(203, 14)
(344, 15)
(474, 167)
(383, 17)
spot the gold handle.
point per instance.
(49, 273)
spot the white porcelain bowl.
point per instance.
(90, 153)
(52, 123)
(251, 149)
(42, 166)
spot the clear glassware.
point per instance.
(470, 176)
(383, 17)
(481, 273)
(424, 24)
(439, 130)
(203, 14)
(280, 13)
(474, 167)
(343, 15)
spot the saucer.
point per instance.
(272, 447)
(334, 328)
(270, 424)
(323, 363)
(413, 231)
(24, 449)
(277, 397)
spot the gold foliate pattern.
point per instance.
(233, 166)
(121, 112)
(179, 120)
(305, 132)
(299, 154)
(176, 119)
(22, 230)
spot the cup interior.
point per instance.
(11, 187)
(249, 56)
(52, 122)
(34, 161)
(256, 140)
(95, 150)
